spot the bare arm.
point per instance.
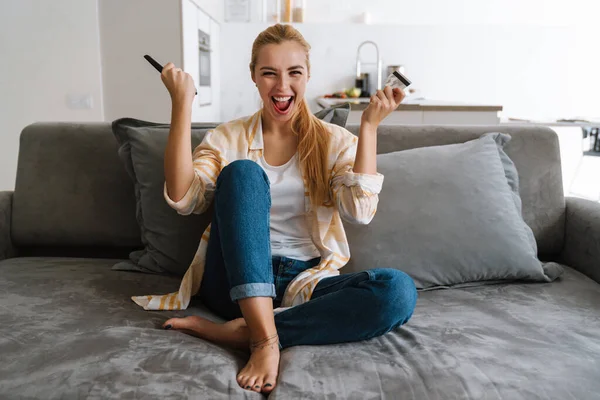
(356, 194)
(179, 168)
(382, 104)
(366, 154)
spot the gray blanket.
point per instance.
(68, 330)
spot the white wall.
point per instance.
(456, 12)
(494, 51)
(533, 71)
(129, 30)
(214, 8)
(536, 58)
(48, 50)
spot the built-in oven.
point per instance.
(204, 79)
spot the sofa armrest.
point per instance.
(7, 250)
(582, 237)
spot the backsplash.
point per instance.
(514, 66)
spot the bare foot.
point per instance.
(233, 333)
(260, 373)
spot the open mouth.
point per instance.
(282, 105)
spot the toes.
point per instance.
(188, 322)
(267, 388)
(269, 384)
(257, 385)
(241, 380)
(172, 323)
(250, 383)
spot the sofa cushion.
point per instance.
(69, 330)
(535, 153)
(170, 240)
(450, 215)
(7, 249)
(71, 190)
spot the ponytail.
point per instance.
(313, 145)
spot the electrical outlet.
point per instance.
(80, 101)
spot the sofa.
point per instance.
(69, 329)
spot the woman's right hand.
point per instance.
(180, 84)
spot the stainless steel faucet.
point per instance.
(378, 63)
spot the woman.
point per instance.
(281, 181)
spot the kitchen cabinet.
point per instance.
(201, 42)
(424, 112)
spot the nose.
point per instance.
(283, 82)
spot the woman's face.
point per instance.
(281, 75)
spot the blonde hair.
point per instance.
(313, 135)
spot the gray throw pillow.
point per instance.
(170, 240)
(450, 216)
(337, 114)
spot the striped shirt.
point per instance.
(355, 198)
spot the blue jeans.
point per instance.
(344, 308)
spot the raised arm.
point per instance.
(179, 168)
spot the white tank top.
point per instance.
(289, 231)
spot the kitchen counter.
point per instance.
(583, 123)
(418, 111)
(359, 104)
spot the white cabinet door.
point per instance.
(205, 92)
(189, 22)
(395, 118)
(215, 65)
(460, 117)
(189, 31)
(207, 104)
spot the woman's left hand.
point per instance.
(381, 105)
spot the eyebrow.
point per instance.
(289, 69)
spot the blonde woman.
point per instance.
(281, 181)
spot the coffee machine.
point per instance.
(362, 83)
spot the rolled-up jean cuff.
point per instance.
(252, 290)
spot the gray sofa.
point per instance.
(68, 329)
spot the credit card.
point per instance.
(396, 79)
